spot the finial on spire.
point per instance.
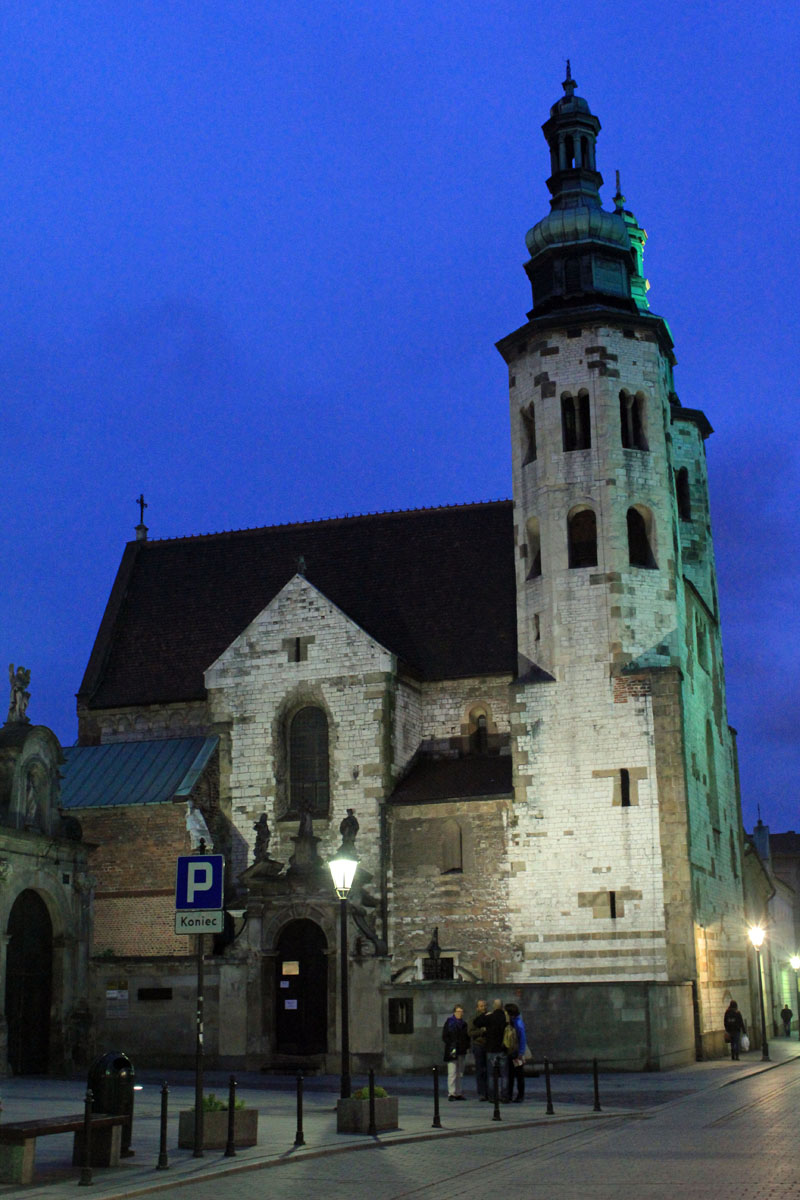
(569, 83)
(619, 199)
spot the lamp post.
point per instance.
(757, 938)
(343, 869)
(795, 961)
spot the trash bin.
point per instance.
(111, 1084)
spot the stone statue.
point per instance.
(20, 697)
(349, 828)
(263, 835)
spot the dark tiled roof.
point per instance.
(434, 586)
(455, 778)
(133, 772)
(785, 843)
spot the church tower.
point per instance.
(626, 832)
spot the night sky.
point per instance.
(256, 257)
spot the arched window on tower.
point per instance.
(569, 151)
(632, 421)
(534, 548)
(528, 415)
(683, 494)
(641, 549)
(308, 762)
(582, 538)
(575, 428)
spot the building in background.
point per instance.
(523, 702)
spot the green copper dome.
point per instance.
(580, 224)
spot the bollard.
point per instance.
(163, 1161)
(86, 1167)
(437, 1120)
(230, 1145)
(372, 1128)
(549, 1109)
(299, 1140)
(496, 1113)
(597, 1107)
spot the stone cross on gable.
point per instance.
(142, 507)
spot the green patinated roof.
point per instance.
(122, 773)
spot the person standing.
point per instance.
(516, 1055)
(477, 1035)
(494, 1023)
(734, 1028)
(786, 1017)
(455, 1035)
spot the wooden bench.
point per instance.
(18, 1143)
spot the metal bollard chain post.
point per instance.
(549, 1109)
(163, 1160)
(230, 1145)
(299, 1140)
(496, 1113)
(437, 1120)
(372, 1128)
(597, 1107)
(86, 1166)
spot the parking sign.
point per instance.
(199, 883)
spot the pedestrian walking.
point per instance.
(734, 1028)
(494, 1023)
(517, 1045)
(455, 1035)
(786, 1017)
(477, 1034)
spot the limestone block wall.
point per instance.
(469, 905)
(586, 888)
(258, 684)
(446, 705)
(141, 723)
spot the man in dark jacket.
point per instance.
(455, 1035)
(495, 1025)
(477, 1035)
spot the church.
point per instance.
(522, 703)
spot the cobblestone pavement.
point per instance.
(711, 1129)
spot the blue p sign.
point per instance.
(199, 883)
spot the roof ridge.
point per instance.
(395, 512)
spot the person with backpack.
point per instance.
(515, 1044)
(734, 1028)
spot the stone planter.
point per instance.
(215, 1129)
(352, 1116)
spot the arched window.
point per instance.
(640, 538)
(632, 421)
(529, 434)
(534, 548)
(582, 538)
(451, 849)
(682, 494)
(575, 429)
(478, 730)
(308, 761)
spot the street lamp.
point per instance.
(795, 961)
(757, 938)
(343, 868)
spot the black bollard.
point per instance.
(496, 1113)
(230, 1145)
(163, 1161)
(597, 1107)
(372, 1128)
(437, 1120)
(86, 1166)
(549, 1109)
(299, 1140)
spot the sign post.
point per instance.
(198, 910)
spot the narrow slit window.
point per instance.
(683, 494)
(625, 787)
(612, 905)
(529, 434)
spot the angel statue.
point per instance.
(19, 678)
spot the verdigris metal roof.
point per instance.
(123, 773)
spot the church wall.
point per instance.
(470, 906)
(141, 722)
(446, 705)
(254, 689)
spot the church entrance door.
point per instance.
(302, 983)
(29, 974)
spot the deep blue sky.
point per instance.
(256, 257)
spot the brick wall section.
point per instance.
(134, 868)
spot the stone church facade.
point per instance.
(523, 702)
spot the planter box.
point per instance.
(215, 1129)
(352, 1116)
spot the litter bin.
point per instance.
(111, 1083)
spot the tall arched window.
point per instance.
(582, 538)
(534, 548)
(632, 421)
(575, 429)
(640, 538)
(308, 761)
(683, 494)
(529, 431)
